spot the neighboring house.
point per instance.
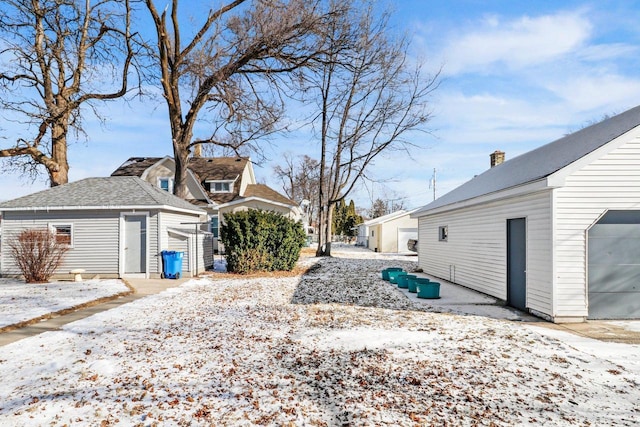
(555, 231)
(115, 227)
(362, 239)
(388, 233)
(218, 185)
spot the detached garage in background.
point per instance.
(555, 231)
(391, 233)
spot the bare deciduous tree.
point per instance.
(230, 74)
(300, 181)
(370, 97)
(378, 209)
(58, 57)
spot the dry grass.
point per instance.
(298, 270)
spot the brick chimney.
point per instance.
(496, 157)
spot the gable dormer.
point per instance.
(160, 171)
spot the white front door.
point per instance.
(135, 246)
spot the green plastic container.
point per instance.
(413, 281)
(403, 280)
(385, 272)
(393, 276)
(429, 290)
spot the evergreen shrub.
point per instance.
(257, 240)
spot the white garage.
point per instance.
(555, 231)
(390, 233)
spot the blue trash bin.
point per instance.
(172, 262)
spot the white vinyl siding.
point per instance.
(95, 238)
(95, 235)
(174, 220)
(172, 241)
(152, 232)
(180, 243)
(611, 182)
(474, 254)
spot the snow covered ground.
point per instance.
(21, 301)
(336, 347)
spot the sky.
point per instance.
(514, 76)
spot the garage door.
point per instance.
(404, 234)
(614, 266)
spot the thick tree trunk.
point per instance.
(58, 167)
(181, 157)
(324, 236)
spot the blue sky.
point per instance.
(515, 75)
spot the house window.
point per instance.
(220, 187)
(443, 233)
(166, 184)
(63, 233)
(213, 226)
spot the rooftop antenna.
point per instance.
(432, 183)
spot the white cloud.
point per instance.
(590, 92)
(603, 52)
(515, 44)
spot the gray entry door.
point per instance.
(614, 266)
(517, 263)
(135, 248)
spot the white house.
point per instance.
(555, 231)
(215, 184)
(115, 227)
(388, 233)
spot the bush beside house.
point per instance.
(257, 240)
(38, 253)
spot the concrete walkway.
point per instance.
(141, 287)
(464, 301)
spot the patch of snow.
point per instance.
(629, 325)
(20, 301)
(338, 346)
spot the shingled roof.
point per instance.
(541, 162)
(205, 168)
(217, 168)
(135, 166)
(210, 169)
(263, 192)
(100, 193)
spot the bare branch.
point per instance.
(56, 53)
(231, 74)
(369, 99)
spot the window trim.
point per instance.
(443, 233)
(169, 183)
(53, 227)
(212, 186)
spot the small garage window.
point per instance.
(443, 233)
(63, 233)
